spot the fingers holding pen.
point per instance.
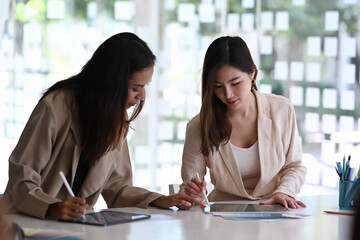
(195, 186)
(73, 208)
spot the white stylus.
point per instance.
(68, 188)
(204, 193)
(66, 184)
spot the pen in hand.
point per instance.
(68, 188)
(203, 191)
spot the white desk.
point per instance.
(194, 224)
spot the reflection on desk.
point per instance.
(195, 224)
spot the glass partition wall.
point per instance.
(306, 50)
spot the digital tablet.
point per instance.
(108, 218)
(241, 207)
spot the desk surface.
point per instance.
(194, 224)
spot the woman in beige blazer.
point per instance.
(248, 140)
(79, 127)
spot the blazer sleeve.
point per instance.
(30, 156)
(192, 160)
(119, 190)
(292, 175)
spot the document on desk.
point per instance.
(236, 211)
(38, 233)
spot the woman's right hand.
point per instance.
(195, 188)
(70, 209)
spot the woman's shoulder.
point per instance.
(194, 122)
(273, 100)
(58, 99)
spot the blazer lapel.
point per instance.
(97, 175)
(227, 156)
(264, 133)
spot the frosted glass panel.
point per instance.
(165, 130)
(349, 47)
(207, 13)
(329, 98)
(265, 88)
(124, 10)
(247, 21)
(346, 123)
(314, 46)
(298, 2)
(297, 71)
(313, 72)
(312, 97)
(266, 45)
(233, 20)
(331, 20)
(55, 9)
(281, 70)
(312, 122)
(282, 21)
(296, 95)
(328, 123)
(330, 46)
(267, 20)
(32, 33)
(248, 3)
(92, 9)
(186, 12)
(348, 73)
(347, 100)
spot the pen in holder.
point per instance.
(349, 193)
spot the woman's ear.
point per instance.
(253, 74)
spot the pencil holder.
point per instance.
(348, 194)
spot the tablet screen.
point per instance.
(237, 207)
(107, 218)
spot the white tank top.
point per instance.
(248, 162)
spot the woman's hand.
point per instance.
(195, 188)
(70, 209)
(284, 200)
(180, 200)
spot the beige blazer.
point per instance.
(281, 168)
(51, 142)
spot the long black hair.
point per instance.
(101, 91)
(215, 127)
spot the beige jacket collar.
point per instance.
(264, 132)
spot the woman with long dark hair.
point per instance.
(248, 140)
(79, 127)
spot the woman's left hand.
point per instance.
(180, 200)
(284, 200)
